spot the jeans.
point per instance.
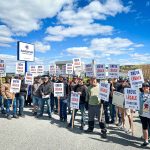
(1, 104)
(63, 109)
(20, 103)
(82, 109)
(7, 103)
(107, 111)
(54, 102)
(36, 100)
(42, 103)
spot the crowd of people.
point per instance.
(41, 93)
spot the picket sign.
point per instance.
(29, 78)
(89, 70)
(136, 78)
(113, 71)
(69, 68)
(15, 86)
(118, 99)
(20, 68)
(52, 69)
(100, 71)
(58, 89)
(104, 90)
(74, 104)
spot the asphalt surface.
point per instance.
(31, 133)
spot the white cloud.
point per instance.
(103, 47)
(24, 16)
(81, 21)
(141, 57)
(58, 33)
(5, 36)
(95, 10)
(42, 47)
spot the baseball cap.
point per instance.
(145, 84)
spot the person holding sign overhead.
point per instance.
(145, 111)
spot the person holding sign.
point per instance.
(94, 107)
(145, 111)
(81, 89)
(63, 100)
(21, 96)
(9, 99)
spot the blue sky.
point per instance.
(109, 31)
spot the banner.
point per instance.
(52, 69)
(75, 99)
(76, 62)
(33, 70)
(29, 79)
(104, 91)
(113, 71)
(131, 98)
(100, 71)
(136, 78)
(15, 86)
(40, 69)
(20, 68)
(58, 89)
(2, 68)
(69, 68)
(118, 99)
(89, 70)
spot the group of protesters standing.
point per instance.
(41, 93)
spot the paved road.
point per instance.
(30, 133)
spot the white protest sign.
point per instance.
(104, 91)
(118, 99)
(2, 68)
(15, 85)
(29, 79)
(76, 62)
(20, 68)
(25, 51)
(89, 70)
(75, 99)
(52, 69)
(58, 71)
(69, 68)
(136, 78)
(100, 71)
(113, 71)
(63, 69)
(131, 98)
(40, 69)
(33, 70)
(58, 89)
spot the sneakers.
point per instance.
(144, 144)
(15, 116)
(22, 115)
(82, 127)
(119, 124)
(38, 116)
(89, 130)
(9, 117)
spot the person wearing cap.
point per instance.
(144, 112)
(82, 90)
(9, 99)
(36, 96)
(63, 100)
(94, 107)
(45, 91)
